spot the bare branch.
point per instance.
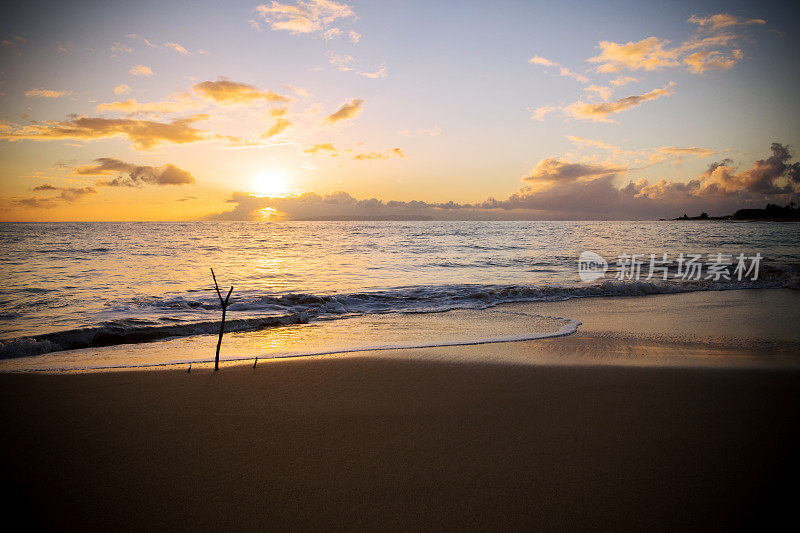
(217, 286)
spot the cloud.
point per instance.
(122, 89)
(564, 71)
(44, 93)
(346, 63)
(550, 172)
(699, 62)
(141, 70)
(602, 92)
(676, 154)
(278, 127)
(175, 104)
(538, 60)
(34, 202)
(378, 74)
(647, 54)
(600, 112)
(393, 152)
(224, 91)
(596, 143)
(560, 190)
(773, 175)
(143, 134)
(721, 21)
(619, 81)
(342, 62)
(13, 42)
(221, 92)
(306, 16)
(694, 150)
(720, 190)
(135, 36)
(354, 36)
(66, 194)
(540, 112)
(178, 48)
(653, 53)
(347, 111)
(326, 147)
(119, 48)
(334, 206)
(70, 194)
(135, 175)
(432, 132)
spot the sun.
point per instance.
(269, 184)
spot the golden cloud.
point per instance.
(144, 134)
(141, 70)
(721, 20)
(347, 111)
(647, 54)
(278, 127)
(619, 81)
(652, 53)
(699, 62)
(307, 16)
(600, 112)
(394, 152)
(178, 48)
(44, 93)
(540, 112)
(326, 147)
(225, 91)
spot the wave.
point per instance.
(132, 332)
(569, 327)
(198, 314)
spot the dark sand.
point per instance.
(357, 443)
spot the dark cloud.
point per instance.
(552, 170)
(66, 194)
(136, 175)
(561, 190)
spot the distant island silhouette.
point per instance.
(787, 213)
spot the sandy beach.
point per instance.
(394, 442)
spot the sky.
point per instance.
(323, 109)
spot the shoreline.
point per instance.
(692, 328)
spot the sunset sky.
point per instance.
(448, 110)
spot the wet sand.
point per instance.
(395, 443)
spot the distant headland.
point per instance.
(787, 213)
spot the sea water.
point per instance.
(80, 286)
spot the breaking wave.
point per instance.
(158, 318)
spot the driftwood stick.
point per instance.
(224, 304)
(190, 368)
(255, 362)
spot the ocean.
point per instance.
(78, 287)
